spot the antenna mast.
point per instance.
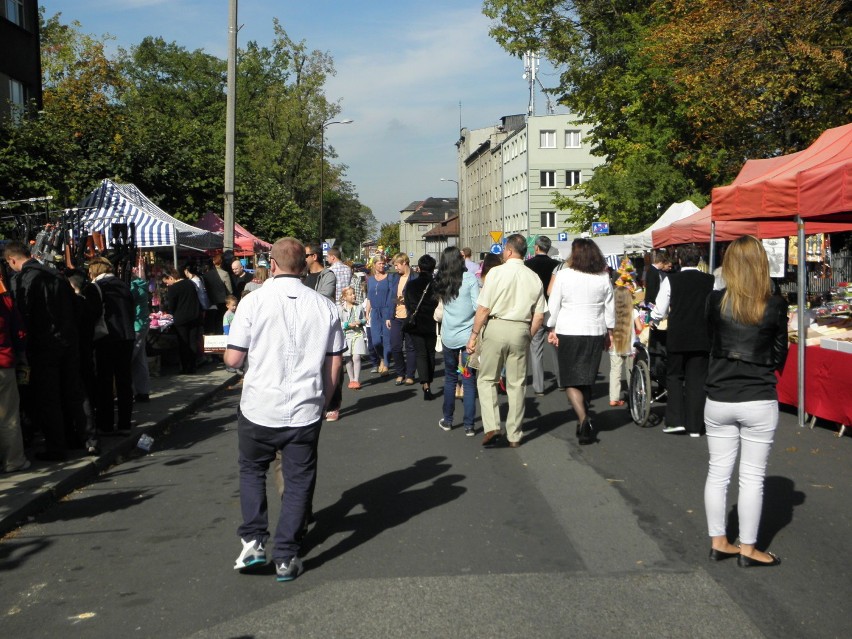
(531, 64)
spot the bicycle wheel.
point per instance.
(640, 393)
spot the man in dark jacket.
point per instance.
(656, 273)
(543, 266)
(683, 298)
(45, 301)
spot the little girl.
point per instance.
(352, 319)
(627, 326)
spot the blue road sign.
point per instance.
(496, 249)
(600, 228)
(325, 247)
(561, 237)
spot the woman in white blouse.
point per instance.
(582, 316)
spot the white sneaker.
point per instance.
(253, 554)
(288, 571)
(674, 429)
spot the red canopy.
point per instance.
(812, 183)
(246, 243)
(696, 228)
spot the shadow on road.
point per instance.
(380, 504)
(779, 498)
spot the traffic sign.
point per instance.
(496, 236)
(600, 228)
(496, 249)
(561, 237)
(325, 246)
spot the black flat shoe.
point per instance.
(748, 562)
(398, 382)
(427, 394)
(719, 555)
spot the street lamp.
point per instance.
(458, 202)
(325, 125)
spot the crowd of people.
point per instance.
(298, 326)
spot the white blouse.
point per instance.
(581, 303)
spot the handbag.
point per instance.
(439, 345)
(411, 320)
(101, 329)
(438, 315)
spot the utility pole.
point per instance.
(230, 125)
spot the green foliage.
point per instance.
(681, 92)
(389, 237)
(155, 116)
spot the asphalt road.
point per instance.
(420, 533)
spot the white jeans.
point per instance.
(731, 426)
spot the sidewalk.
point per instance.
(173, 397)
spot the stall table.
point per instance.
(828, 394)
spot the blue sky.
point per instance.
(402, 69)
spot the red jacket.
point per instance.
(11, 332)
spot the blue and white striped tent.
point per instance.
(113, 203)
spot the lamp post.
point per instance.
(325, 125)
(458, 205)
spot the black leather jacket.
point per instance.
(764, 344)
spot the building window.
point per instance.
(548, 139)
(572, 139)
(422, 227)
(572, 178)
(548, 219)
(15, 11)
(548, 179)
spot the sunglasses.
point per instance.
(309, 254)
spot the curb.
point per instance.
(87, 469)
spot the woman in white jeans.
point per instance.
(748, 331)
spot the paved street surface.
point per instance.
(421, 533)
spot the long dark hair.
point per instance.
(450, 272)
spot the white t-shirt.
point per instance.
(287, 330)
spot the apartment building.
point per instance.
(20, 56)
(510, 171)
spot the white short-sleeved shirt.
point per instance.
(287, 330)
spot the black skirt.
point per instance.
(579, 358)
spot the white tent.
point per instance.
(640, 242)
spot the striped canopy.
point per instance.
(113, 203)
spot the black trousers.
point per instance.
(57, 402)
(685, 376)
(187, 339)
(112, 371)
(424, 349)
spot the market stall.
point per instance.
(246, 243)
(644, 241)
(809, 187)
(113, 203)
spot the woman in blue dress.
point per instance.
(377, 293)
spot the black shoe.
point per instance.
(142, 397)
(427, 394)
(748, 562)
(585, 432)
(719, 555)
(51, 455)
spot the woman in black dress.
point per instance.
(420, 303)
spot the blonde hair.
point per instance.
(99, 266)
(622, 332)
(746, 270)
(401, 257)
(345, 290)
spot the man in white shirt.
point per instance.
(292, 338)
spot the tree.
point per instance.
(174, 103)
(389, 237)
(681, 92)
(78, 137)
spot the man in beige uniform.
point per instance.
(511, 305)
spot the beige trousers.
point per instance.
(503, 344)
